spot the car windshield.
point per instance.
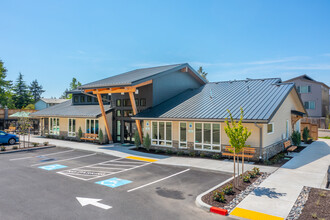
(2, 133)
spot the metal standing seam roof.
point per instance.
(55, 101)
(66, 109)
(129, 78)
(259, 98)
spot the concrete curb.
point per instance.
(27, 149)
(208, 207)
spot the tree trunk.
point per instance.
(243, 161)
(234, 170)
(237, 170)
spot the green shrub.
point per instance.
(15, 147)
(137, 140)
(169, 152)
(228, 190)
(192, 154)
(46, 143)
(252, 174)
(62, 137)
(296, 138)
(147, 142)
(256, 170)
(3, 148)
(158, 151)
(180, 153)
(219, 196)
(305, 135)
(35, 144)
(80, 134)
(246, 178)
(101, 137)
(268, 162)
(216, 156)
(202, 155)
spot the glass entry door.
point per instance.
(129, 131)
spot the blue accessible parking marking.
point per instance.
(113, 182)
(52, 167)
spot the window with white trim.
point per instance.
(309, 105)
(270, 128)
(304, 89)
(54, 126)
(72, 127)
(92, 126)
(161, 133)
(207, 136)
(183, 135)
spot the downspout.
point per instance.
(260, 150)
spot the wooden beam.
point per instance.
(99, 98)
(142, 84)
(138, 122)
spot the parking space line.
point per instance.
(120, 171)
(158, 180)
(23, 158)
(73, 158)
(118, 165)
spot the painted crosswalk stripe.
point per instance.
(73, 158)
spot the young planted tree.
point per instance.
(101, 137)
(147, 142)
(36, 90)
(137, 140)
(238, 135)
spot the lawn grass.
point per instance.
(327, 137)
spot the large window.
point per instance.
(143, 102)
(207, 136)
(309, 105)
(183, 135)
(72, 127)
(54, 126)
(161, 133)
(304, 89)
(92, 126)
(270, 128)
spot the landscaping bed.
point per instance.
(312, 203)
(20, 147)
(227, 197)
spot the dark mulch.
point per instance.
(299, 148)
(317, 205)
(208, 198)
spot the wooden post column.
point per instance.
(99, 98)
(138, 123)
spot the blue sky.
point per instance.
(53, 41)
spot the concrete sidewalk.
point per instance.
(120, 151)
(277, 194)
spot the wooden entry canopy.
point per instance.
(295, 116)
(126, 89)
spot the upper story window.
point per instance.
(143, 102)
(118, 102)
(82, 99)
(309, 105)
(89, 99)
(126, 102)
(75, 99)
(270, 128)
(304, 89)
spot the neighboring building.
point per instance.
(180, 110)
(6, 121)
(315, 96)
(84, 111)
(46, 103)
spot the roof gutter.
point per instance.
(260, 140)
(198, 119)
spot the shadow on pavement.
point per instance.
(269, 192)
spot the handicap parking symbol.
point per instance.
(52, 167)
(113, 182)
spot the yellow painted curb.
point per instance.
(141, 158)
(244, 213)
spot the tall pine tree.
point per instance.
(5, 86)
(21, 96)
(73, 85)
(36, 90)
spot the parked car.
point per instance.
(6, 138)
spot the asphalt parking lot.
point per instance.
(61, 183)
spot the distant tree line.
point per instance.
(18, 94)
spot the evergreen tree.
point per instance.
(21, 96)
(5, 88)
(202, 72)
(36, 90)
(73, 85)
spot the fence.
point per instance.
(320, 122)
(313, 130)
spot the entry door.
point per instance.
(129, 131)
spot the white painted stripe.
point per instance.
(94, 164)
(122, 171)
(72, 176)
(23, 158)
(158, 180)
(117, 168)
(129, 162)
(55, 161)
(120, 165)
